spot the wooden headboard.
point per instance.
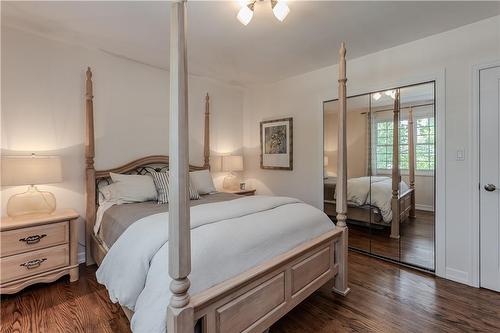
(95, 178)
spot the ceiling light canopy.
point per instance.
(245, 14)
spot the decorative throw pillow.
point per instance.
(202, 181)
(162, 183)
(132, 188)
(117, 193)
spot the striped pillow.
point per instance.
(162, 182)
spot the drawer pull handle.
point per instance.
(35, 263)
(32, 239)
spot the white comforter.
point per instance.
(227, 238)
(358, 193)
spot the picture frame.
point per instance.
(276, 144)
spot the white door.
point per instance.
(489, 113)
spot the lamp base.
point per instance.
(231, 182)
(32, 201)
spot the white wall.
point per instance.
(43, 110)
(357, 142)
(454, 52)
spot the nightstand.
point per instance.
(38, 248)
(247, 192)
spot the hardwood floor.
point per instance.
(415, 246)
(384, 298)
(82, 306)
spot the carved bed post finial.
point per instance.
(396, 175)
(342, 145)
(179, 313)
(206, 141)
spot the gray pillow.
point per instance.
(162, 183)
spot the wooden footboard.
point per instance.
(405, 204)
(255, 299)
(402, 209)
(370, 215)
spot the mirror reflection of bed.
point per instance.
(387, 219)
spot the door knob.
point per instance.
(490, 187)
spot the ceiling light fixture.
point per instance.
(377, 96)
(279, 7)
(246, 13)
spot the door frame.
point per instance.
(439, 77)
(474, 148)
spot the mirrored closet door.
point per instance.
(391, 166)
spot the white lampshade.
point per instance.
(232, 163)
(245, 15)
(280, 10)
(30, 170)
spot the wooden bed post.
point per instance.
(180, 317)
(206, 141)
(396, 176)
(340, 283)
(89, 165)
(411, 160)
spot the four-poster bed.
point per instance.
(254, 298)
(402, 197)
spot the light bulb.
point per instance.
(245, 15)
(391, 93)
(280, 10)
(377, 96)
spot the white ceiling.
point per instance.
(264, 51)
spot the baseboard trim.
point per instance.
(457, 275)
(426, 208)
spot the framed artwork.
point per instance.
(276, 144)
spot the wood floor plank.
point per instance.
(384, 298)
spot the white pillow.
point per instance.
(116, 193)
(202, 181)
(131, 188)
(112, 193)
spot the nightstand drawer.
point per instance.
(33, 238)
(31, 263)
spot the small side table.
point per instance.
(38, 248)
(247, 192)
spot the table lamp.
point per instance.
(31, 170)
(230, 164)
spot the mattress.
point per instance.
(118, 218)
